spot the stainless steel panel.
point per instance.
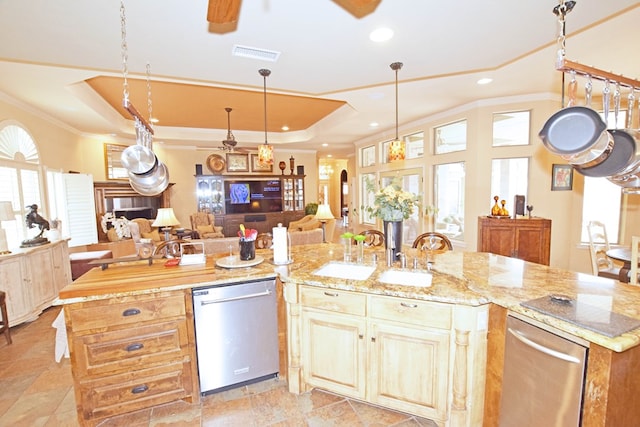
(543, 378)
(236, 333)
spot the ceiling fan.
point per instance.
(229, 143)
(223, 12)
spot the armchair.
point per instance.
(204, 224)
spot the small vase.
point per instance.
(346, 244)
(393, 233)
(360, 252)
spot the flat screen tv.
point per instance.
(252, 196)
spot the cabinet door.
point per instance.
(498, 240)
(14, 280)
(333, 352)
(531, 245)
(43, 290)
(409, 368)
(61, 266)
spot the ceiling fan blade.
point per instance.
(358, 8)
(223, 11)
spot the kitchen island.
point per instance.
(467, 301)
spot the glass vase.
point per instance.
(360, 251)
(393, 236)
(346, 244)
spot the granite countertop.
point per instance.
(467, 278)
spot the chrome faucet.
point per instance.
(403, 259)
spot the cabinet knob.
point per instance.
(131, 312)
(139, 389)
(373, 339)
(361, 336)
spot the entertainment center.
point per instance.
(257, 201)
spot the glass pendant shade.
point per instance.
(396, 150)
(265, 154)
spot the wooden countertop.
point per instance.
(467, 278)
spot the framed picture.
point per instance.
(562, 178)
(237, 162)
(257, 167)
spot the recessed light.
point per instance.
(153, 120)
(325, 145)
(381, 35)
(374, 124)
(285, 128)
(484, 81)
(329, 155)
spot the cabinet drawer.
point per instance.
(127, 349)
(423, 313)
(126, 311)
(334, 300)
(136, 390)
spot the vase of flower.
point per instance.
(393, 236)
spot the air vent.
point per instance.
(255, 53)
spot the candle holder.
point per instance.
(292, 164)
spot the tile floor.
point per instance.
(37, 391)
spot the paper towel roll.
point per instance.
(280, 242)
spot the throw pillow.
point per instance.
(154, 235)
(205, 229)
(112, 235)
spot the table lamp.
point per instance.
(323, 214)
(165, 220)
(6, 214)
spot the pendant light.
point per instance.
(396, 148)
(265, 151)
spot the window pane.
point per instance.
(385, 152)
(367, 197)
(451, 137)
(414, 145)
(367, 156)
(449, 195)
(508, 178)
(511, 128)
(601, 202)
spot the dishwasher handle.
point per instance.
(543, 349)
(240, 297)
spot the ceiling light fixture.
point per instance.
(285, 128)
(484, 80)
(265, 151)
(396, 148)
(381, 35)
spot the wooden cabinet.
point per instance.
(32, 278)
(293, 193)
(526, 239)
(137, 354)
(404, 354)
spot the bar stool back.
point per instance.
(4, 323)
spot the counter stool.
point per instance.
(4, 324)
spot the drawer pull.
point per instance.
(134, 347)
(373, 339)
(331, 294)
(139, 389)
(131, 312)
(409, 305)
(360, 336)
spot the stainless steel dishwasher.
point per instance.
(543, 378)
(236, 334)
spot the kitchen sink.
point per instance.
(341, 270)
(406, 277)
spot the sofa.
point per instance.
(309, 222)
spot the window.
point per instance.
(449, 183)
(411, 181)
(508, 178)
(20, 177)
(368, 156)
(414, 145)
(450, 138)
(367, 197)
(384, 150)
(511, 128)
(601, 202)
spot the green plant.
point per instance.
(311, 208)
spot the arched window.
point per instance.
(20, 174)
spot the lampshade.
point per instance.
(166, 218)
(324, 213)
(396, 148)
(265, 151)
(6, 211)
